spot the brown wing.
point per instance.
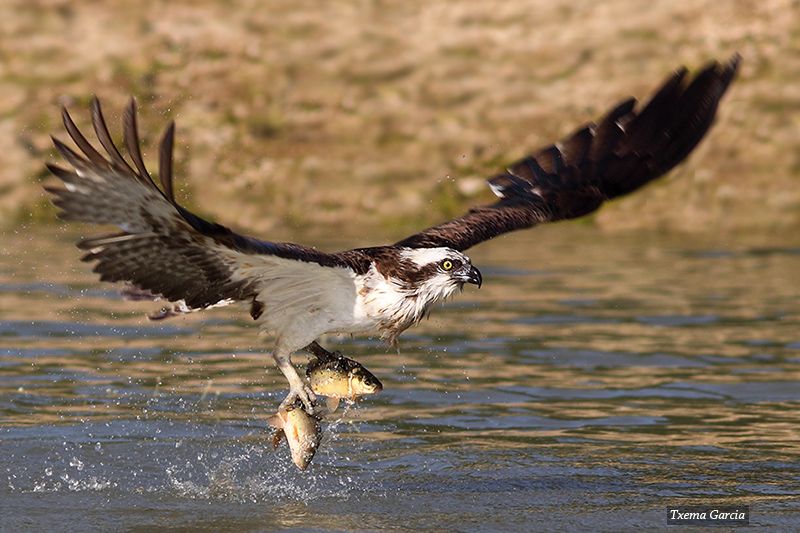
(626, 150)
(162, 248)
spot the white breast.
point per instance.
(386, 305)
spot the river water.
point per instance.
(594, 380)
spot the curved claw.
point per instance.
(305, 395)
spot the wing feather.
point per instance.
(162, 249)
(165, 161)
(130, 135)
(624, 151)
(101, 130)
(85, 146)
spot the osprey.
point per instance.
(298, 293)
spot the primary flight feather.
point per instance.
(299, 293)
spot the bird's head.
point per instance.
(440, 271)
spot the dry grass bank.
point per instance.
(296, 113)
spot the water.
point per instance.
(594, 380)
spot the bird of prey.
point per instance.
(298, 293)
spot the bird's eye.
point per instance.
(447, 265)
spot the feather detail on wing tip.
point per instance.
(497, 190)
(165, 161)
(103, 135)
(81, 141)
(506, 185)
(130, 135)
(61, 173)
(91, 160)
(69, 154)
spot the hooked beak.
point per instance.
(475, 277)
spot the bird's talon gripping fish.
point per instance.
(299, 293)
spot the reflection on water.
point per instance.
(593, 380)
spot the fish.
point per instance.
(338, 377)
(302, 431)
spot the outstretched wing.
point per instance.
(165, 250)
(626, 150)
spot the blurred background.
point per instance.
(294, 115)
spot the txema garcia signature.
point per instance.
(700, 515)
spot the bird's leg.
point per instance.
(298, 388)
(321, 353)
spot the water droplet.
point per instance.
(77, 463)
